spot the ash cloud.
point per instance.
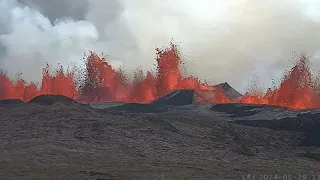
(221, 40)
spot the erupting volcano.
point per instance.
(299, 89)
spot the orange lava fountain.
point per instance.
(298, 88)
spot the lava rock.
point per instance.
(51, 99)
(176, 97)
(11, 101)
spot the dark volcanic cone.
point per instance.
(176, 97)
(187, 96)
(229, 91)
(180, 98)
(52, 99)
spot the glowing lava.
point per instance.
(100, 82)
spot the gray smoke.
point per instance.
(221, 40)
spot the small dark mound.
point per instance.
(52, 99)
(11, 101)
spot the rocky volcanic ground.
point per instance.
(74, 141)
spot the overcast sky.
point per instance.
(221, 40)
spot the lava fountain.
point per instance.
(298, 89)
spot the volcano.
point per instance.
(172, 126)
(189, 96)
(298, 89)
(180, 98)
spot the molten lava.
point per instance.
(298, 88)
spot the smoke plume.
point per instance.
(221, 40)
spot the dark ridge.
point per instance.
(12, 101)
(51, 99)
(308, 125)
(176, 98)
(140, 108)
(306, 122)
(186, 96)
(240, 110)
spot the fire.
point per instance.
(298, 88)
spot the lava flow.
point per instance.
(100, 82)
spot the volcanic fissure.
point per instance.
(298, 89)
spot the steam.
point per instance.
(221, 40)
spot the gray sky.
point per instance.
(221, 40)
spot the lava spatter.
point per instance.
(299, 89)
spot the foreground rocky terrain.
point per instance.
(75, 141)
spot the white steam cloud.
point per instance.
(221, 40)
